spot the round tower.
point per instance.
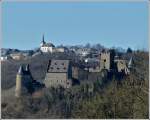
(19, 78)
(19, 83)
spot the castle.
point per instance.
(61, 72)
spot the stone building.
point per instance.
(59, 73)
(25, 84)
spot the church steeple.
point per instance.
(43, 41)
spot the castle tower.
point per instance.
(107, 60)
(19, 81)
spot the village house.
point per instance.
(4, 58)
(83, 51)
(61, 49)
(92, 64)
(17, 56)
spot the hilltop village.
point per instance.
(67, 73)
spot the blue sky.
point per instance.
(119, 24)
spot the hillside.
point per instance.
(38, 65)
(126, 98)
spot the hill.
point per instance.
(126, 98)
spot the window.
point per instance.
(57, 68)
(104, 60)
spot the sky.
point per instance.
(112, 24)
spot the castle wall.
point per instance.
(121, 66)
(56, 79)
(75, 73)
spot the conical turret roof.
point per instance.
(20, 71)
(27, 67)
(130, 62)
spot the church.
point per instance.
(46, 47)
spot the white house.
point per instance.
(4, 58)
(83, 51)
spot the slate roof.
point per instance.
(60, 66)
(48, 45)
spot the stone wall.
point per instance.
(56, 79)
